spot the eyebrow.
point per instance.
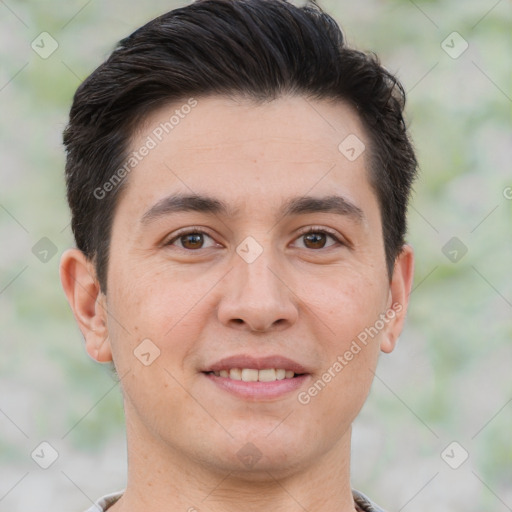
(177, 203)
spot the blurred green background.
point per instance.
(449, 380)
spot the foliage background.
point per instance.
(450, 377)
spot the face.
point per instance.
(280, 267)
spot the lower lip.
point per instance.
(258, 390)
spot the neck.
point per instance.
(161, 478)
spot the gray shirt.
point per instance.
(363, 504)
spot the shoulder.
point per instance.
(105, 502)
(364, 503)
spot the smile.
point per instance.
(257, 378)
(253, 375)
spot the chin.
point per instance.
(268, 468)
(262, 457)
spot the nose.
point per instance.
(257, 296)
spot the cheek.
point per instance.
(152, 329)
(343, 303)
(152, 306)
(343, 312)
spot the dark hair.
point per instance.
(257, 49)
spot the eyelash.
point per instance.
(200, 231)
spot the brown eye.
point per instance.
(191, 240)
(317, 239)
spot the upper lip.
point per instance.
(256, 363)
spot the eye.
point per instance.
(194, 238)
(191, 239)
(316, 238)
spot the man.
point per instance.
(238, 180)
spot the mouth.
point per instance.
(254, 375)
(257, 378)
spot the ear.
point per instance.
(400, 289)
(88, 303)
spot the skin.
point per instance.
(302, 299)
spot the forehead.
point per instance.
(214, 122)
(249, 151)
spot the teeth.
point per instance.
(267, 375)
(253, 375)
(249, 375)
(280, 374)
(235, 374)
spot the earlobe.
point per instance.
(97, 348)
(400, 289)
(84, 295)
